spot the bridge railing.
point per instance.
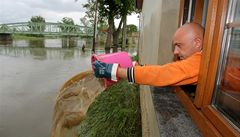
(46, 29)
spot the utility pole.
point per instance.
(95, 27)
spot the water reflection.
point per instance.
(69, 42)
(36, 43)
(6, 42)
(61, 48)
(45, 53)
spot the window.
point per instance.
(227, 86)
(204, 14)
(188, 13)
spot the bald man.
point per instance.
(187, 42)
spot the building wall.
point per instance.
(158, 22)
(168, 26)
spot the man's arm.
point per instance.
(109, 71)
(122, 73)
(177, 73)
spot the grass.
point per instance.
(114, 113)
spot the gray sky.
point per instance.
(51, 10)
(12, 11)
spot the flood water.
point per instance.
(31, 74)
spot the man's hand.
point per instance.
(103, 70)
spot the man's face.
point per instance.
(183, 45)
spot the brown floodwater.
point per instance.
(31, 74)
(30, 77)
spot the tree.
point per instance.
(110, 10)
(127, 9)
(131, 28)
(85, 22)
(89, 17)
(115, 9)
(37, 23)
(67, 25)
(124, 33)
(88, 20)
(67, 20)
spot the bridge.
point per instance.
(58, 29)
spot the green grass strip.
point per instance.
(114, 113)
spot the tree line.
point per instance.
(37, 23)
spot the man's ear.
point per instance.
(198, 43)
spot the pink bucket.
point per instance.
(122, 58)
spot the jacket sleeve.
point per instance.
(172, 74)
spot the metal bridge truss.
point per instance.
(59, 29)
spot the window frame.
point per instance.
(211, 21)
(210, 72)
(210, 121)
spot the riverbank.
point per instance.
(87, 43)
(26, 37)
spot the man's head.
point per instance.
(187, 40)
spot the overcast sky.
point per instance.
(12, 11)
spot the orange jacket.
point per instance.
(172, 74)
